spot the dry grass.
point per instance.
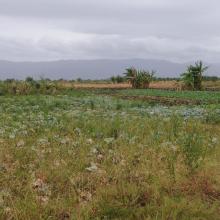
(167, 85)
(101, 86)
(154, 85)
(212, 85)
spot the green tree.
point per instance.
(139, 78)
(194, 75)
(29, 79)
(119, 79)
(113, 79)
(130, 75)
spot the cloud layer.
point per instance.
(89, 29)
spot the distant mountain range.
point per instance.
(93, 69)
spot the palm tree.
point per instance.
(193, 76)
(145, 77)
(198, 71)
(187, 78)
(139, 78)
(131, 74)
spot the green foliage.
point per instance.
(203, 96)
(29, 86)
(211, 78)
(139, 79)
(193, 76)
(113, 79)
(79, 80)
(193, 146)
(29, 79)
(212, 118)
(81, 155)
(117, 79)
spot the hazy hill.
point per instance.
(91, 69)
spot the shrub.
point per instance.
(193, 148)
(113, 79)
(29, 79)
(139, 78)
(193, 76)
(29, 86)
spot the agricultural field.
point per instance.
(94, 154)
(203, 96)
(199, 95)
(167, 85)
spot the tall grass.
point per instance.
(15, 87)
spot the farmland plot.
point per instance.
(86, 156)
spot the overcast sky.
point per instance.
(88, 29)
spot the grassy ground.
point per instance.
(196, 95)
(83, 156)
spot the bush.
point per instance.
(139, 79)
(29, 86)
(192, 78)
(193, 148)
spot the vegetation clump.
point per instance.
(29, 86)
(193, 77)
(139, 79)
(80, 155)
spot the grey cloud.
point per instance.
(90, 29)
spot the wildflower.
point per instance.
(85, 196)
(2, 131)
(41, 187)
(43, 199)
(43, 141)
(8, 211)
(89, 141)
(65, 141)
(3, 195)
(108, 140)
(12, 136)
(92, 167)
(20, 143)
(77, 131)
(94, 150)
(174, 148)
(110, 151)
(123, 162)
(214, 140)
(100, 157)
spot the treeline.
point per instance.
(191, 79)
(113, 79)
(29, 86)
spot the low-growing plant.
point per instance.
(59, 159)
(92, 104)
(119, 106)
(212, 118)
(193, 147)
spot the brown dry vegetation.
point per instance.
(154, 85)
(167, 85)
